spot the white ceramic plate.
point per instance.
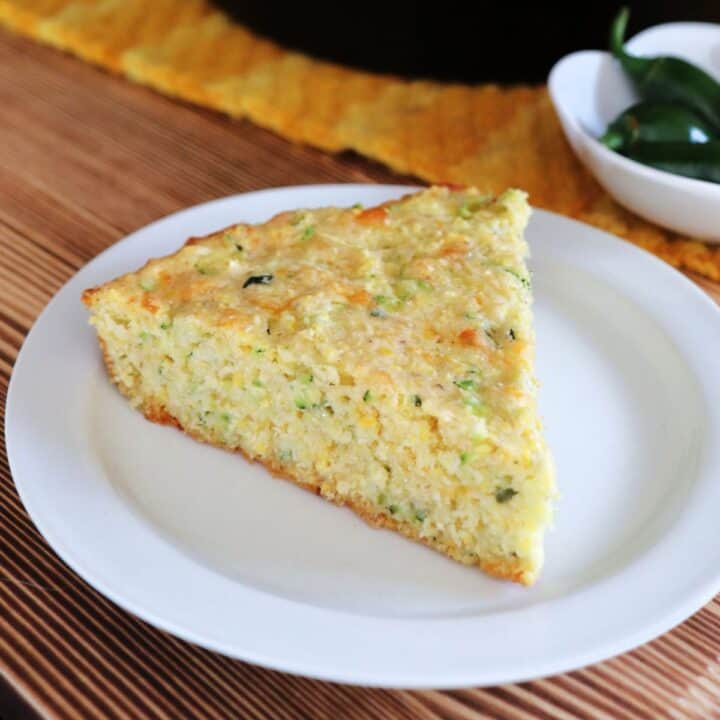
(213, 549)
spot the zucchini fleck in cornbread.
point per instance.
(381, 357)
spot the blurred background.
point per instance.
(471, 42)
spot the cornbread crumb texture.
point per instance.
(382, 356)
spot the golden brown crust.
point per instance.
(371, 214)
(452, 185)
(88, 295)
(195, 239)
(501, 568)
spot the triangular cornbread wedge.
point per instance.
(380, 357)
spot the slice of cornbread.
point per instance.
(380, 357)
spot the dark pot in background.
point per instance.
(471, 42)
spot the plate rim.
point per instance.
(678, 612)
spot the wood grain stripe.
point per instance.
(495, 703)
(655, 684)
(18, 260)
(613, 680)
(36, 254)
(68, 635)
(86, 673)
(452, 708)
(57, 684)
(17, 295)
(675, 669)
(417, 706)
(524, 697)
(696, 642)
(578, 698)
(12, 703)
(94, 621)
(20, 670)
(36, 214)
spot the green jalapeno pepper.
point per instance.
(666, 78)
(700, 161)
(656, 122)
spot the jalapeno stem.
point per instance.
(634, 65)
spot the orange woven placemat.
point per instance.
(483, 135)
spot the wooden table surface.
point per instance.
(86, 158)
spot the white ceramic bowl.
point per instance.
(589, 89)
